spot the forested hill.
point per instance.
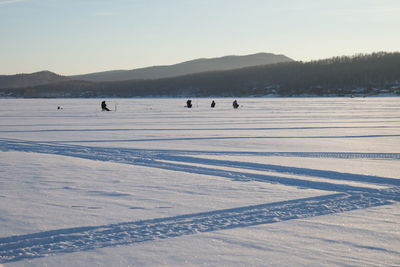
(361, 74)
(184, 68)
(32, 79)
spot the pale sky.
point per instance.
(83, 36)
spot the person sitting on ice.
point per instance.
(189, 103)
(213, 104)
(104, 106)
(235, 104)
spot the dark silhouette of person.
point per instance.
(104, 106)
(235, 104)
(189, 103)
(213, 104)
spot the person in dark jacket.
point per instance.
(104, 106)
(235, 104)
(189, 103)
(213, 104)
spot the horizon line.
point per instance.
(189, 60)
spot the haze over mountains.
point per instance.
(184, 68)
(32, 79)
(155, 72)
(362, 74)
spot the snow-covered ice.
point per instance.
(278, 182)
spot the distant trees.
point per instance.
(361, 73)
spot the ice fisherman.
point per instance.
(104, 106)
(189, 103)
(213, 104)
(235, 104)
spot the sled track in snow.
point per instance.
(350, 197)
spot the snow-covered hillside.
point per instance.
(277, 182)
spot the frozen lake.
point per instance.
(277, 182)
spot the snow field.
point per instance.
(293, 182)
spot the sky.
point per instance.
(83, 36)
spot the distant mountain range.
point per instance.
(33, 79)
(155, 72)
(363, 75)
(184, 68)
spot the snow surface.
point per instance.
(278, 182)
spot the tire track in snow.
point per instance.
(20, 145)
(42, 244)
(59, 241)
(333, 175)
(150, 159)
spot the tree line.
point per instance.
(366, 74)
